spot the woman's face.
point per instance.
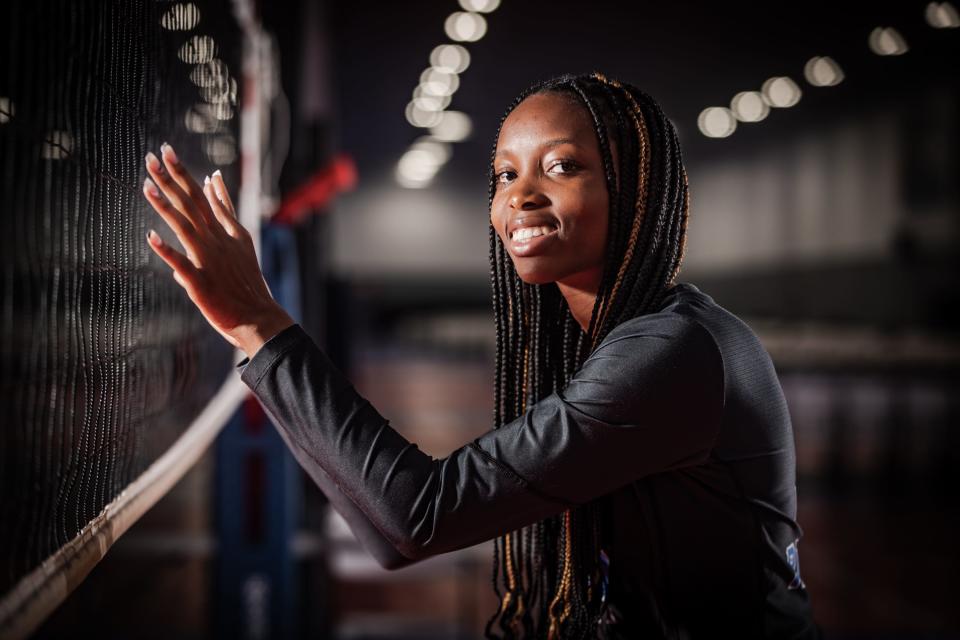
(551, 205)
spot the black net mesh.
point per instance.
(105, 361)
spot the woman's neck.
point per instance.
(580, 292)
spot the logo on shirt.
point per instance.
(793, 559)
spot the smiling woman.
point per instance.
(550, 204)
(639, 479)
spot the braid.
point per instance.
(547, 575)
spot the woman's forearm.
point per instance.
(634, 409)
(419, 505)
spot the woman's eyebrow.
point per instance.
(556, 142)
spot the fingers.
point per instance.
(221, 190)
(174, 219)
(176, 196)
(224, 217)
(184, 271)
(185, 181)
(220, 202)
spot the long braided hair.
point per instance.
(549, 576)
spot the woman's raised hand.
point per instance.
(220, 271)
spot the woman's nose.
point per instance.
(527, 195)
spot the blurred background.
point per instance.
(821, 141)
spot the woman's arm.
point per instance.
(382, 550)
(647, 400)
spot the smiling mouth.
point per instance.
(526, 234)
(526, 242)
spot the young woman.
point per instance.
(639, 481)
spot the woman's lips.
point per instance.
(532, 241)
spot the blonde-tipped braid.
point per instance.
(643, 165)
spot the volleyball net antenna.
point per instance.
(112, 382)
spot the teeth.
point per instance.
(530, 232)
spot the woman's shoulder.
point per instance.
(657, 365)
(683, 315)
(687, 310)
(676, 337)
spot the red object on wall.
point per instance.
(316, 193)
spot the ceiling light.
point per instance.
(942, 15)
(182, 16)
(439, 150)
(57, 145)
(200, 119)
(220, 149)
(209, 73)
(416, 168)
(887, 41)
(431, 99)
(7, 110)
(716, 122)
(437, 82)
(749, 106)
(822, 71)
(454, 126)
(198, 49)
(450, 57)
(419, 117)
(464, 26)
(781, 92)
(480, 6)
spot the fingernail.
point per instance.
(151, 188)
(154, 238)
(206, 180)
(217, 173)
(153, 162)
(170, 153)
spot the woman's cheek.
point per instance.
(499, 225)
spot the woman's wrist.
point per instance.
(251, 337)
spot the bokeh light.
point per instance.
(480, 6)
(452, 58)
(197, 50)
(419, 117)
(220, 149)
(417, 167)
(437, 82)
(182, 16)
(439, 150)
(7, 110)
(749, 106)
(942, 15)
(454, 126)
(465, 26)
(781, 92)
(717, 122)
(887, 41)
(201, 119)
(823, 71)
(209, 73)
(57, 145)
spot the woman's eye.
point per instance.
(563, 166)
(504, 176)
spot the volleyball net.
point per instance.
(113, 384)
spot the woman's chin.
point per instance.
(536, 277)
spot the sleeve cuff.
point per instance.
(251, 370)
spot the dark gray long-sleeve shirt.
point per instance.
(677, 419)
